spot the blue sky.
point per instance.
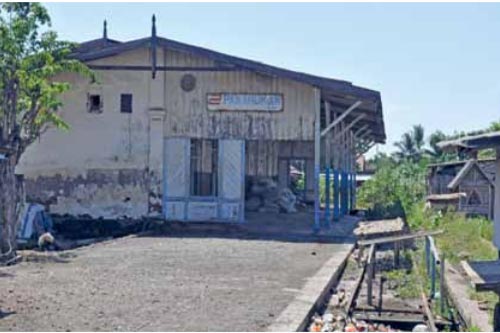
(435, 64)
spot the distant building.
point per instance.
(467, 185)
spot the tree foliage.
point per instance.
(394, 189)
(411, 146)
(29, 62)
(399, 182)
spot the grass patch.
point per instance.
(406, 283)
(463, 238)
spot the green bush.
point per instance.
(394, 189)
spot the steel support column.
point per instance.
(327, 196)
(317, 146)
(336, 195)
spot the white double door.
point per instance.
(180, 205)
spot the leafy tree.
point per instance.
(29, 97)
(379, 160)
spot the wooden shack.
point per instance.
(472, 178)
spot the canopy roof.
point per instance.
(340, 94)
(472, 143)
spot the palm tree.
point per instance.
(434, 138)
(412, 144)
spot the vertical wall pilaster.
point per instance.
(156, 118)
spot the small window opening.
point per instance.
(474, 198)
(204, 167)
(126, 103)
(94, 103)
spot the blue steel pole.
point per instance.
(316, 199)
(349, 192)
(327, 196)
(336, 195)
(341, 195)
(354, 189)
(344, 193)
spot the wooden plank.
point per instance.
(396, 254)
(442, 289)
(428, 314)
(474, 278)
(339, 119)
(370, 263)
(162, 68)
(391, 239)
(458, 293)
(395, 318)
(484, 275)
(360, 130)
(387, 309)
(349, 305)
(349, 126)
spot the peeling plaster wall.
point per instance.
(100, 166)
(96, 193)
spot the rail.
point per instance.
(435, 265)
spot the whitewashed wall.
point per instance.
(110, 164)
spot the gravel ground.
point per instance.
(159, 284)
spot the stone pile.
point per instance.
(329, 323)
(266, 197)
(372, 229)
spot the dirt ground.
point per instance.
(159, 284)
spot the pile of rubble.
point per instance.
(380, 228)
(329, 323)
(266, 197)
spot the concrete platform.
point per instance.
(188, 279)
(297, 227)
(300, 224)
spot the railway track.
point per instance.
(367, 306)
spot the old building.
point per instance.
(179, 131)
(467, 185)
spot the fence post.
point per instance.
(433, 276)
(427, 255)
(396, 254)
(441, 283)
